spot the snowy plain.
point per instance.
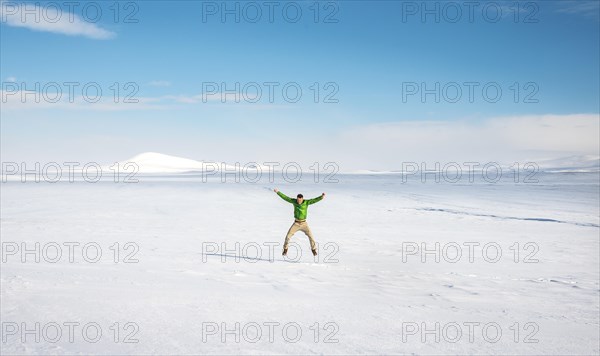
(181, 285)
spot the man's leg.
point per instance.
(306, 230)
(293, 229)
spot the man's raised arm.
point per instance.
(315, 200)
(283, 196)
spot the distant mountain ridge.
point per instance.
(585, 163)
(153, 162)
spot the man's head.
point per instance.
(299, 198)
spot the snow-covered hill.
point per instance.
(152, 162)
(581, 163)
(585, 163)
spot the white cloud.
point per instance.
(11, 79)
(160, 83)
(50, 19)
(14, 98)
(18, 100)
(585, 8)
(221, 97)
(503, 140)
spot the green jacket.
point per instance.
(300, 210)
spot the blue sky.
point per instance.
(370, 52)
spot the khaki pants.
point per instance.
(300, 225)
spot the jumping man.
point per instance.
(300, 212)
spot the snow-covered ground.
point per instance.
(372, 289)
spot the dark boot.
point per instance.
(314, 252)
(284, 253)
